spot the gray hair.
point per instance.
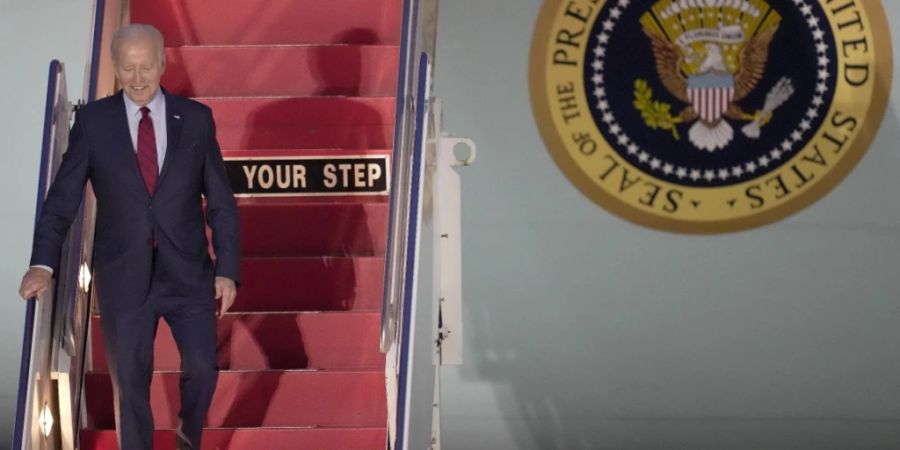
(138, 31)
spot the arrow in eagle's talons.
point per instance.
(776, 97)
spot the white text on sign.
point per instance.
(352, 175)
(308, 175)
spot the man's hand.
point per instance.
(37, 280)
(226, 292)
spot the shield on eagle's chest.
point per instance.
(710, 95)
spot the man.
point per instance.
(149, 156)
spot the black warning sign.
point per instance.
(308, 175)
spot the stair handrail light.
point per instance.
(45, 420)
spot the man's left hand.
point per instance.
(225, 292)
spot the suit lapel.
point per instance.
(174, 124)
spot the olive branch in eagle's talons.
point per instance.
(657, 115)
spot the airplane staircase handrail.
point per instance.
(414, 97)
(52, 345)
(28, 337)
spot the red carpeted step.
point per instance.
(303, 122)
(345, 340)
(280, 84)
(310, 284)
(292, 228)
(297, 70)
(256, 439)
(260, 399)
(184, 22)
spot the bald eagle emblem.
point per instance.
(710, 54)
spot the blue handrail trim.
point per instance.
(25, 365)
(413, 245)
(402, 80)
(99, 15)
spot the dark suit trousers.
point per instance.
(129, 336)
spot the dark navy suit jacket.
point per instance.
(129, 219)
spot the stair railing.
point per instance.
(54, 350)
(413, 95)
(36, 402)
(398, 211)
(423, 220)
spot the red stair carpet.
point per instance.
(299, 359)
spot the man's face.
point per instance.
(138, 69)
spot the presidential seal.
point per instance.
(704, 116)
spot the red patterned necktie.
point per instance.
(146, 151)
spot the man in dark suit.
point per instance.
(150, 156)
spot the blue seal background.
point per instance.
(629, 56)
